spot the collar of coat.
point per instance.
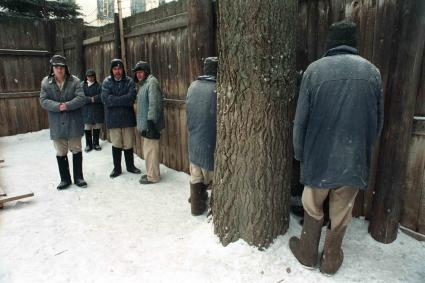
(342, 49)
(52, 79)
(207, 78)
(146, 79)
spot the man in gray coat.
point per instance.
(338, 119)
(62, 96)
(201, 105)
(150, 119)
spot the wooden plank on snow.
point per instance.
(2, 193)
(10, 198)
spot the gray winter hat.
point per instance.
(58, 60)
(142, 66)
(210, 66)
(342, 33)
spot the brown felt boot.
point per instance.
(332, 255)
(198, 201)
(305, 248)
(205, 194)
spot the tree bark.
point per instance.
(256, 84)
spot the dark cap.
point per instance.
(210, 66)
(90, 72)
(117, 62)
(142, 66)
(342, 33)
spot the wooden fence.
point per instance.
(386, 40)
(23, 62)
(175, 38)
(26, 45)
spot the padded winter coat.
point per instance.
(150, 105)
(93, 112)
(63, 124)
(201, 105)
(118, 98)
(339, 116)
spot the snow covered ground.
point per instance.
(119, 231)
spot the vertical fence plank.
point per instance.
(400, 104)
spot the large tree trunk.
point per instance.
(254, 142)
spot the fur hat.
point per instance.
(342, 33)
(115, 63)
(58, 60)
(141, 66)
(210, 66)
(90, 72)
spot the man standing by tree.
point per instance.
(62, 96)
(338, 118)
(201, 105)
(118, 96)
(150, 119)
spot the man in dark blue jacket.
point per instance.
(338, 119)
(118, 96)
(201, 105)
(93, 110)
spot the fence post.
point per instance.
(117, 44)
(79, 51)
(399, 110)
(200, 34)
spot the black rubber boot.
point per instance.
(116, 156)
(198, 202)
(96, 133)
(64, 172)
(129, 161)
(89, 141)
(77, 166)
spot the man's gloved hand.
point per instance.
(151, 131)
(151, 125)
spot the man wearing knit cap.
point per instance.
(201, 105)
(338, 119)
(118, 96)
(62, 96)
(150, 119)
